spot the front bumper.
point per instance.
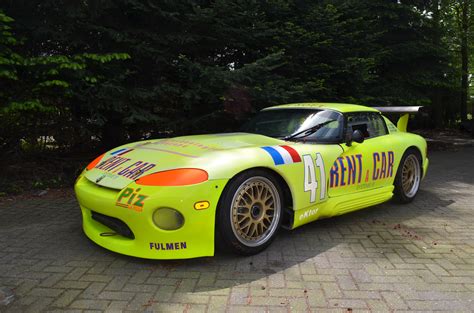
(194, 239)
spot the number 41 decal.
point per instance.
(310, 181)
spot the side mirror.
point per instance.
(357, 136)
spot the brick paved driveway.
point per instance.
(390, 257)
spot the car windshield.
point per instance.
(280, 123)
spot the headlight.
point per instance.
(177, 177)
(168, 219)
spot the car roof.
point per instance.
(340, 107)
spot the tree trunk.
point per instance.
(439, 119)
(464, 59)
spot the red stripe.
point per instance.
(294, 155)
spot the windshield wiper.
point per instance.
(308, 131)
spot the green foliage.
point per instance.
(37, 98)
(197, 66)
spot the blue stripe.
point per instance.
(118, 151)
(277, 158)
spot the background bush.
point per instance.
(80, 76)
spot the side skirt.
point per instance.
(342, 205)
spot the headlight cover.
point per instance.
(176, 177)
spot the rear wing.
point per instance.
(403, 111)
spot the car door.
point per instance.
(367, 165)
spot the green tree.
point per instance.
(464, 14)
(193, 62)
(37, 94)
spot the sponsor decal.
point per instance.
(136, 169)
(365, 185)
(168, 245)
(131, 199)
(112, 163)
(383, 165)
(308, 214)
(283, 154)
(143, 147)
(116, 165)
(312, 180)
(348, 170)
(100, 178)
(183, 143)
(121, 151)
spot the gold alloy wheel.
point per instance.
(255, 211)
(411, 175)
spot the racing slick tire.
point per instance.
(249, 212)
(408, 178)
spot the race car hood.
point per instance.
(122, 165)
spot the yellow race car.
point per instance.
(292, 164)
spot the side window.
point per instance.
(379, 128)
(358, 121)
(369, 123)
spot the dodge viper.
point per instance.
(292, 164)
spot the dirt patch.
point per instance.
(47, 194)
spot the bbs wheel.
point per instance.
(249, 213)
(407, 181)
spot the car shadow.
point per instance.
(345, 239)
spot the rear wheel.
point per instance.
(250, 212)
(407, 181)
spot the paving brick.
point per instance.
(117, 283)
(93, 290)
(25, 286)
(52, 280)
(58, 269)
(348, 303)
(76, 273)
(116, 295)
(39, 305)
(66, 298)
(375, 305)
(141, 301)
(116, 307)
(359, 261)
(46, 292)
(96, 278)
(437, 270)
(140, 288)
(90, 304)
(394, 301)
(71, 284)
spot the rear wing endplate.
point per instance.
(403, 111)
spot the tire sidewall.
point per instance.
(399, 193)
(225, 235)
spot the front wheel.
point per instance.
(407, 181)
(249, 213)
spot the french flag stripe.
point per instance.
(277, 158)
(118, 151)
(127, 151)
(284, 154)
(121, 151)
(294, 155)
